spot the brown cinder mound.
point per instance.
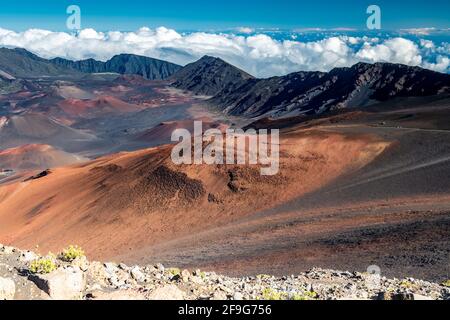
(170, 186)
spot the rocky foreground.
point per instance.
(25, 275)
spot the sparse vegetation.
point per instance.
(272, 294)
(263, 276)
(43, 265)
(446, 283)
(307, 295)
(174, 271)
(75, 279)
(71, 253)
(406, 284)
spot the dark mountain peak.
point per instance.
(208, 57)
(211, 59)
(208, 76)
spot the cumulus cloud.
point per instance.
(396, 50)
(442, 63)
(258, 54)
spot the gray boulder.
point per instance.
(62, 284)
(167, 292)
(7, 289)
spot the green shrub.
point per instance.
(71, 253)
(307, 295)
(446, 283)
(263, 276)
(43, 265)
(406, 284)
(174, 271)
(271, 294)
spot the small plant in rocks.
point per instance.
(71, 253)
(272, 294)
(43, 265)
(174, 271)
(406, 284)
(307, 295)
(263, 276)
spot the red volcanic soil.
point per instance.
(406, 236)
(393, 212)
(133, 200)
(36, 157)
(95, 107)
(353, 190)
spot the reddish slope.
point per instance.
(129, 200)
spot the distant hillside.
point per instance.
(317, 92)
(32, 128)
(21, 63)
(9, 84)
(149, 68)
(36, 157)
(209, 76)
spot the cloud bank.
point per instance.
(258, 54)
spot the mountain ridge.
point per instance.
(316, 92)
(237, 93)
(148, 68)
(21, 63)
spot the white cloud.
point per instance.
(91, 34)
(419, 31)
(308, 30)
(396, 50)
(428, 44)
(260, 54)
(245, 30)
(442, 64)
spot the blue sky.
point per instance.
(207, 15)
(265, 37)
